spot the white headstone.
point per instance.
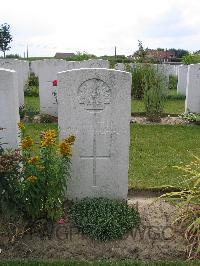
(9, 109)
(120, 66)
(47, 72)
(91, 63)
(182, 79)
(176, 70)
(95, 106)
(25, 72)
(162, 70)
(15, 64)
(192, 102)
(169, 70)
(34, 67)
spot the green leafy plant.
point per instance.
(191, 59)
(33, 80)
(79, 56)
(32, 91)
(27, 112)
(22, 111)
(32, 86)
(154, 94)
(188, 201)
(44, 174)
(5, 38)
(103, 219)
(173, 80)
(191, 117)
(138, 73)
(177, 96)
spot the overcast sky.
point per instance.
(97, 26)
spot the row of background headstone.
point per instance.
(91, 102)
(47, 71)
(9, 109)
(22, 69)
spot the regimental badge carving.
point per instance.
(95, 65)
(94, 94)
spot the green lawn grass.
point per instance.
(96, 263)
(32, 103)
(154, 150)
(137, 106)
(171, 106)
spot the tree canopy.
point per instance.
(5, 38)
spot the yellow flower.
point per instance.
(70, 139)
(48, 138)
(27, 142)
(32, 178)
(21, 125)
(33, 160)
(66, 146)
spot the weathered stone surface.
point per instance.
(162, 70)
(34, 67)
(182, 79)
(192, 103)
(9, 109)
(47, 72)
(170, 70)
(25, 72)
(120, 66)
(95, 106)
(15, 64)
(92, 63)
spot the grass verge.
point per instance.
(154, 150)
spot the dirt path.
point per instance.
(155, 239)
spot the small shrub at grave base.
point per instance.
(191, 117)
(45, 118)
(103, 219)
(27, 113)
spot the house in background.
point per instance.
(161, 55)
(63, 55)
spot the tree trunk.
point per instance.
(4, 54)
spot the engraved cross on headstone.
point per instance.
(94, 155)
(94, 95)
